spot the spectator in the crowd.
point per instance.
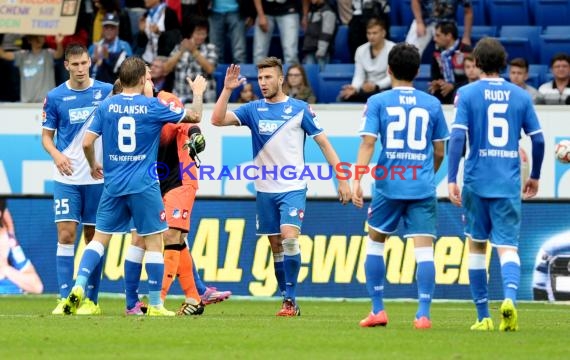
(285, 14)
(228, 21)
(447, 67)
(319, 36)
(362, 12)
(557, 91)
(193, 56)
(158, 74)
(10, 91)
(427, 13)
(159, 31)
(344, 11)
(37, 75)
(371, 65)
(108, 54)
(246, 94)
(518, 75)
(297, 85)
(104, 7)
(471, 70)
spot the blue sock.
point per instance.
(425, 277)
(478, 284)
(91, 258)
(155, 270)
(132, 274)
(64, 266)
(511, 271)
(279, 265)
(198, 280)
(94, 281)
(375, 271)
(291, 265)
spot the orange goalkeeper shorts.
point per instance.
(178, 204)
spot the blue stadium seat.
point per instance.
(395, 19)
(521, 41)
(424, 77)
(341, 54)
(398, 33)
(556, 30)
(249, 71)
(508, 12)
(551, 12)
(537, 74)
(551, 45)
(406, 15)
(479, 17)
(480, 31)
(331, 80)
(219, 75)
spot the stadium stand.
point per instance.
(521, 41)
(550, 12)
(508, 12)
(331, 80)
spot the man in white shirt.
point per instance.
(557, 91)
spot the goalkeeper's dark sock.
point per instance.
(425, 278)
(511, 271)
(375, 271)
(478, 284)
(278, 259)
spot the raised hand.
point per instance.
(233, 79)
(199, 84)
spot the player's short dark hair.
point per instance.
(404, 61)
(490, 55)
(131, 71)
(519, 62)
(448, 27)
(270, 62)
(560, 57)
(376, 21)
(75, 49)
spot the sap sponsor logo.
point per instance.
(268, 127)
(69, 98)
(80, 115)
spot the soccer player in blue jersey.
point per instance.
(130, 125)
(491, 113)
(278, 126)
(413, 131)
(67, 114)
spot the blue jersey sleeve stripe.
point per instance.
(442, 139)
(48, 128)
(319, 133)
(182, 117)
(237, 118)
(458, 126)
(364, 133)
(93, 132)
(534, 132)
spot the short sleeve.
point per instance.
(531, 125)
(461, 118)
(50, 116)
(96, 125)
(169, 112)
(243, 114)
(370, 122)
(440, 130)
(309, 123)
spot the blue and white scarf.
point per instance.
(447, 62)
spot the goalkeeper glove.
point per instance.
(195, 145)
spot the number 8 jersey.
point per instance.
(493, 112)
(407, 121)
(130, 127)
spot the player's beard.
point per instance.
(272, 94)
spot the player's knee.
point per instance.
(291, 247)
(171, 237)
(66, 236)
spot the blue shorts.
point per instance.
(76, 202)
(419, 215)
(145, 208)
(277, 209)
(495, 219)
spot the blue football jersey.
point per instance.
(69, 112)
(130, 127)
(493, 112)
(278, 135)
(407, 122)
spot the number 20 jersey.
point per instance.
(69, 112)
(407, 121)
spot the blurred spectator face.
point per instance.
(471, 71)
(157, 69)
(375, 35)
(36, 41)
(246, 93)
(561, 70)
(442, 41)
(199, 35)
(294, 77)
(110, 32)
(518, 75)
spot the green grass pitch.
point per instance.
(247, 329)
